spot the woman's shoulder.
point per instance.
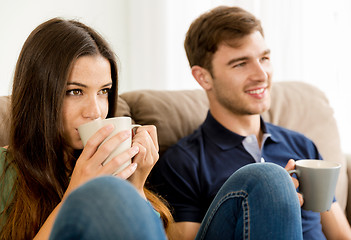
(7, 171)
(7, 176)
(3, 151)
(4, 162)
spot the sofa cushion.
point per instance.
(122, 108)
(174, 113)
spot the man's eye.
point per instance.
(264, 59)
(104, 91)
(74, 92)
(240, 65)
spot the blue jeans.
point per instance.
(258, 201)
(107, 208)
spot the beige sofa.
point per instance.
(295, 105)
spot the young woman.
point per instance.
(66, 75)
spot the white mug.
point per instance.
(87, 130)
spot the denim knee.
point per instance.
(264, 181)
(262, 173)
(107, 208)
(260, 200)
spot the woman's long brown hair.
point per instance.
(38, 152)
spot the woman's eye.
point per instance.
(74, 92)
(104, 91)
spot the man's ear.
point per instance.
(202, 76)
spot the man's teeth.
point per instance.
(257, 91)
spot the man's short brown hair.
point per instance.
(221, 24)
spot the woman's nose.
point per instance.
(92, 109)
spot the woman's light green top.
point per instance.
(6, 184)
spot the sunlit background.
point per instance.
(310, 41)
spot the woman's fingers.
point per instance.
(128, 171)
(142, 156)
(94, 142)
(148, 149)
(152, 132)
(109, 146)
(96, 151)
(115, 163)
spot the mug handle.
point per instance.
(134, 127)
(297, 172)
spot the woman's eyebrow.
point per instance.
(85, 86)
(107, 84)
(77, 84)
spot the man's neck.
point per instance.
(243, 125)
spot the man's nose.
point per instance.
(259, 72)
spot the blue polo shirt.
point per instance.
(191, 172)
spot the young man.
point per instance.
(231, 61)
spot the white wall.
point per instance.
(310, 41)
(19, 17)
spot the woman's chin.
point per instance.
(77, 145)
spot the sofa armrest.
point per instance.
(348, 159)
(348, 208)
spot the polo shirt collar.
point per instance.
(224, 138)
